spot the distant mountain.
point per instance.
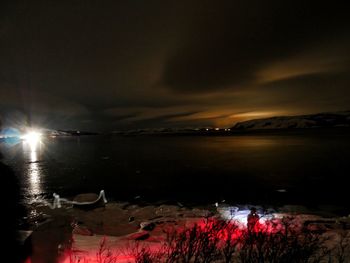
(320, 120)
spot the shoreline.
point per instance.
(122, 222)
(322, 209)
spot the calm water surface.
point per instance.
(295, 168)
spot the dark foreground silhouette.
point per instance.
(11, 211)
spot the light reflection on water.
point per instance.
(33, 172)
(189, 168)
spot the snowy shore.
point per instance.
(117, 225)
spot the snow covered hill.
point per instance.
(320, 120)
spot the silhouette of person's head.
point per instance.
(253, 211)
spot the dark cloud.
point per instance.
(328, 90)
(162, 121)
(233, 40)
(123, 64)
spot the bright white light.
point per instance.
(32, 138)
(232, 213)
(241, 216)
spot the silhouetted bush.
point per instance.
(223, 241)
(274, 241)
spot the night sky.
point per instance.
(109, 65)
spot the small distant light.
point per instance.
(207, 129)
(217, 129)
